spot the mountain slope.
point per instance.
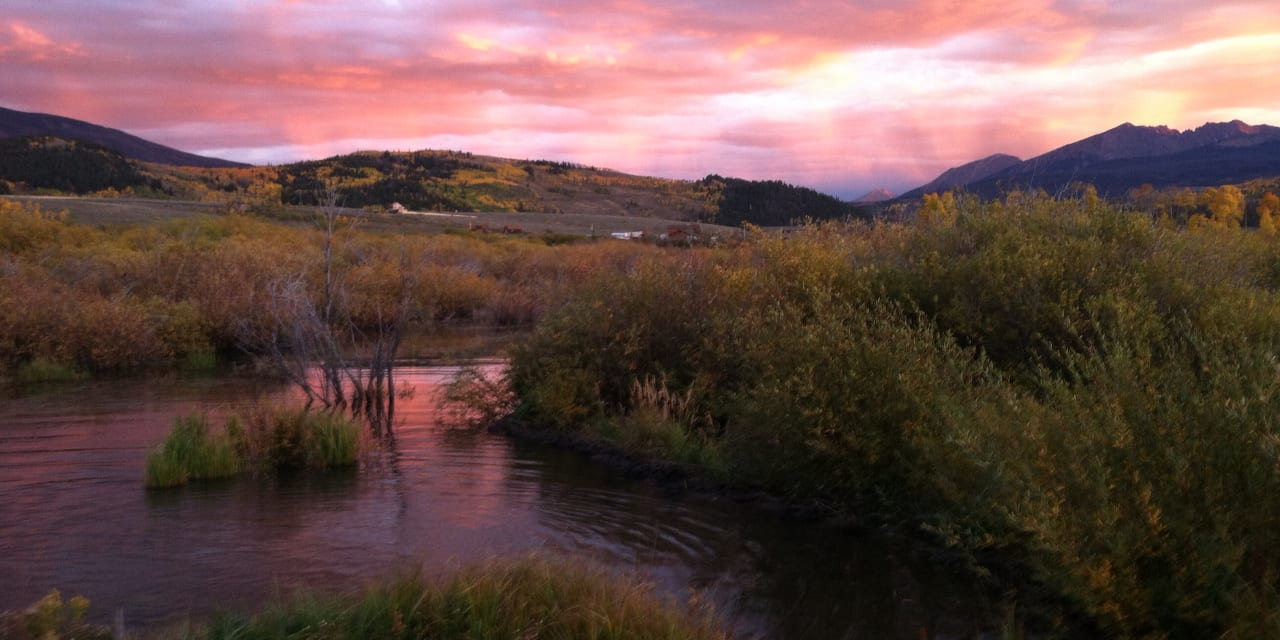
(1129, 156)
(458, 181)
(70, 166)
(1131, 147)
(20, 123)
(35, 146)
(879, 194)
(965, 174)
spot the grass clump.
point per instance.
(203, 361)
(52, 618)
(664, 424)
(527, 598)
(278, 437)
(193, 452)
(265, 439)
(46, 370)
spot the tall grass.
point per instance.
(192, 452)
(267, 438)
(528, 598)
(531, 597)
(282, 437)
(665, 424)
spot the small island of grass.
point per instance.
(262, 439)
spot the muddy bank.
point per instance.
(679, 479)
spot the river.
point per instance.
(74, 516)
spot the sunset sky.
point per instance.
(838, 96)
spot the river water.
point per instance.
(74, 516)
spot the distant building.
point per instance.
(683, 232)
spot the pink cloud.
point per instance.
(22, 44)
(846, 95)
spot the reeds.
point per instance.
(665, 423)
(192, 452)
(282, 437)
(266, 438)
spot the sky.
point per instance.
(842, 97)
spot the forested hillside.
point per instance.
(44, 162)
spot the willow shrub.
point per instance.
(673, 318)
(842, 402)
(1145, 482)
(1086, 392)
(44, 320)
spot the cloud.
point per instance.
(846, 95)
(22, 44)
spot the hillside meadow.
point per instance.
(1075, 399)
(426, 181)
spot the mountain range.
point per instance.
(45, 153)
(1114, 161)
(15, 124)
(1127, 157)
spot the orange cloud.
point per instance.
(21, 43)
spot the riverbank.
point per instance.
(1002, 577)
(528, 597)
(679, 478)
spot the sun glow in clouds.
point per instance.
(837, 95)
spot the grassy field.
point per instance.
(121, 211)
(134, 211)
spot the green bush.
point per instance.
(844, 400)
(1080, 391)
(1150, 486)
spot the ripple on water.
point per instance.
(74, 515)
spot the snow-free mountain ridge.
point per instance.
(1129, 156)
(20, 123)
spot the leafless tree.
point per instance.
(310, 341)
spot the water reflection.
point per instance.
(74, 515)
